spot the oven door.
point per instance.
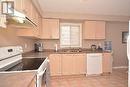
(41, 79)
(43, 75)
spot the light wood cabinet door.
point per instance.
(100, 30)
(107, 62)
(54, 26)
(94, 30)
(73, 64)
(79, 63)
(67, 64)
(89, 29)
(46, 31)
(18, 5)
(28, 7)
(55, 64)
(23, 6)
(50, 29)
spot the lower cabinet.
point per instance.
(79, 63)
(67, 64)
(55, 64)
(107, 63)
(75, 64)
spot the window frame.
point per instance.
(80, 35)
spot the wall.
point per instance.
(50, 44)
(114, 34)
(8, 38)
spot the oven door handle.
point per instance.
(41, 73)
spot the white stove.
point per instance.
(11, 61)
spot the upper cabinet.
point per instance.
(23, 6)
(94, 30)
(27, 7)
(50, 29)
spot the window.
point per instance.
(70, 35)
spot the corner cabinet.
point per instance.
(94, 30)
(50, 29)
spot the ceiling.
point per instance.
(96, 7)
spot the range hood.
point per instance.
(19, 20)
(12, 18)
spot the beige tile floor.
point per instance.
(117, 79)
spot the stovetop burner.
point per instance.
(27, 64)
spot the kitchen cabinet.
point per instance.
(79, 63)
(33, 32)
(50, 29)
(107, 62)
(73, 64)
(55, 64)
(24, 6)
(94, 30)
(19, 5)
(67, 64)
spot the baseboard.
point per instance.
(120, 67)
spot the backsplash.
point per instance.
(50, 44)
(8, 38)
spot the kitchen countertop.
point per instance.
(46, 53)
(16, 79)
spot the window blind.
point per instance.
(70, 35)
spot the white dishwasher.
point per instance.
(94, 64)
